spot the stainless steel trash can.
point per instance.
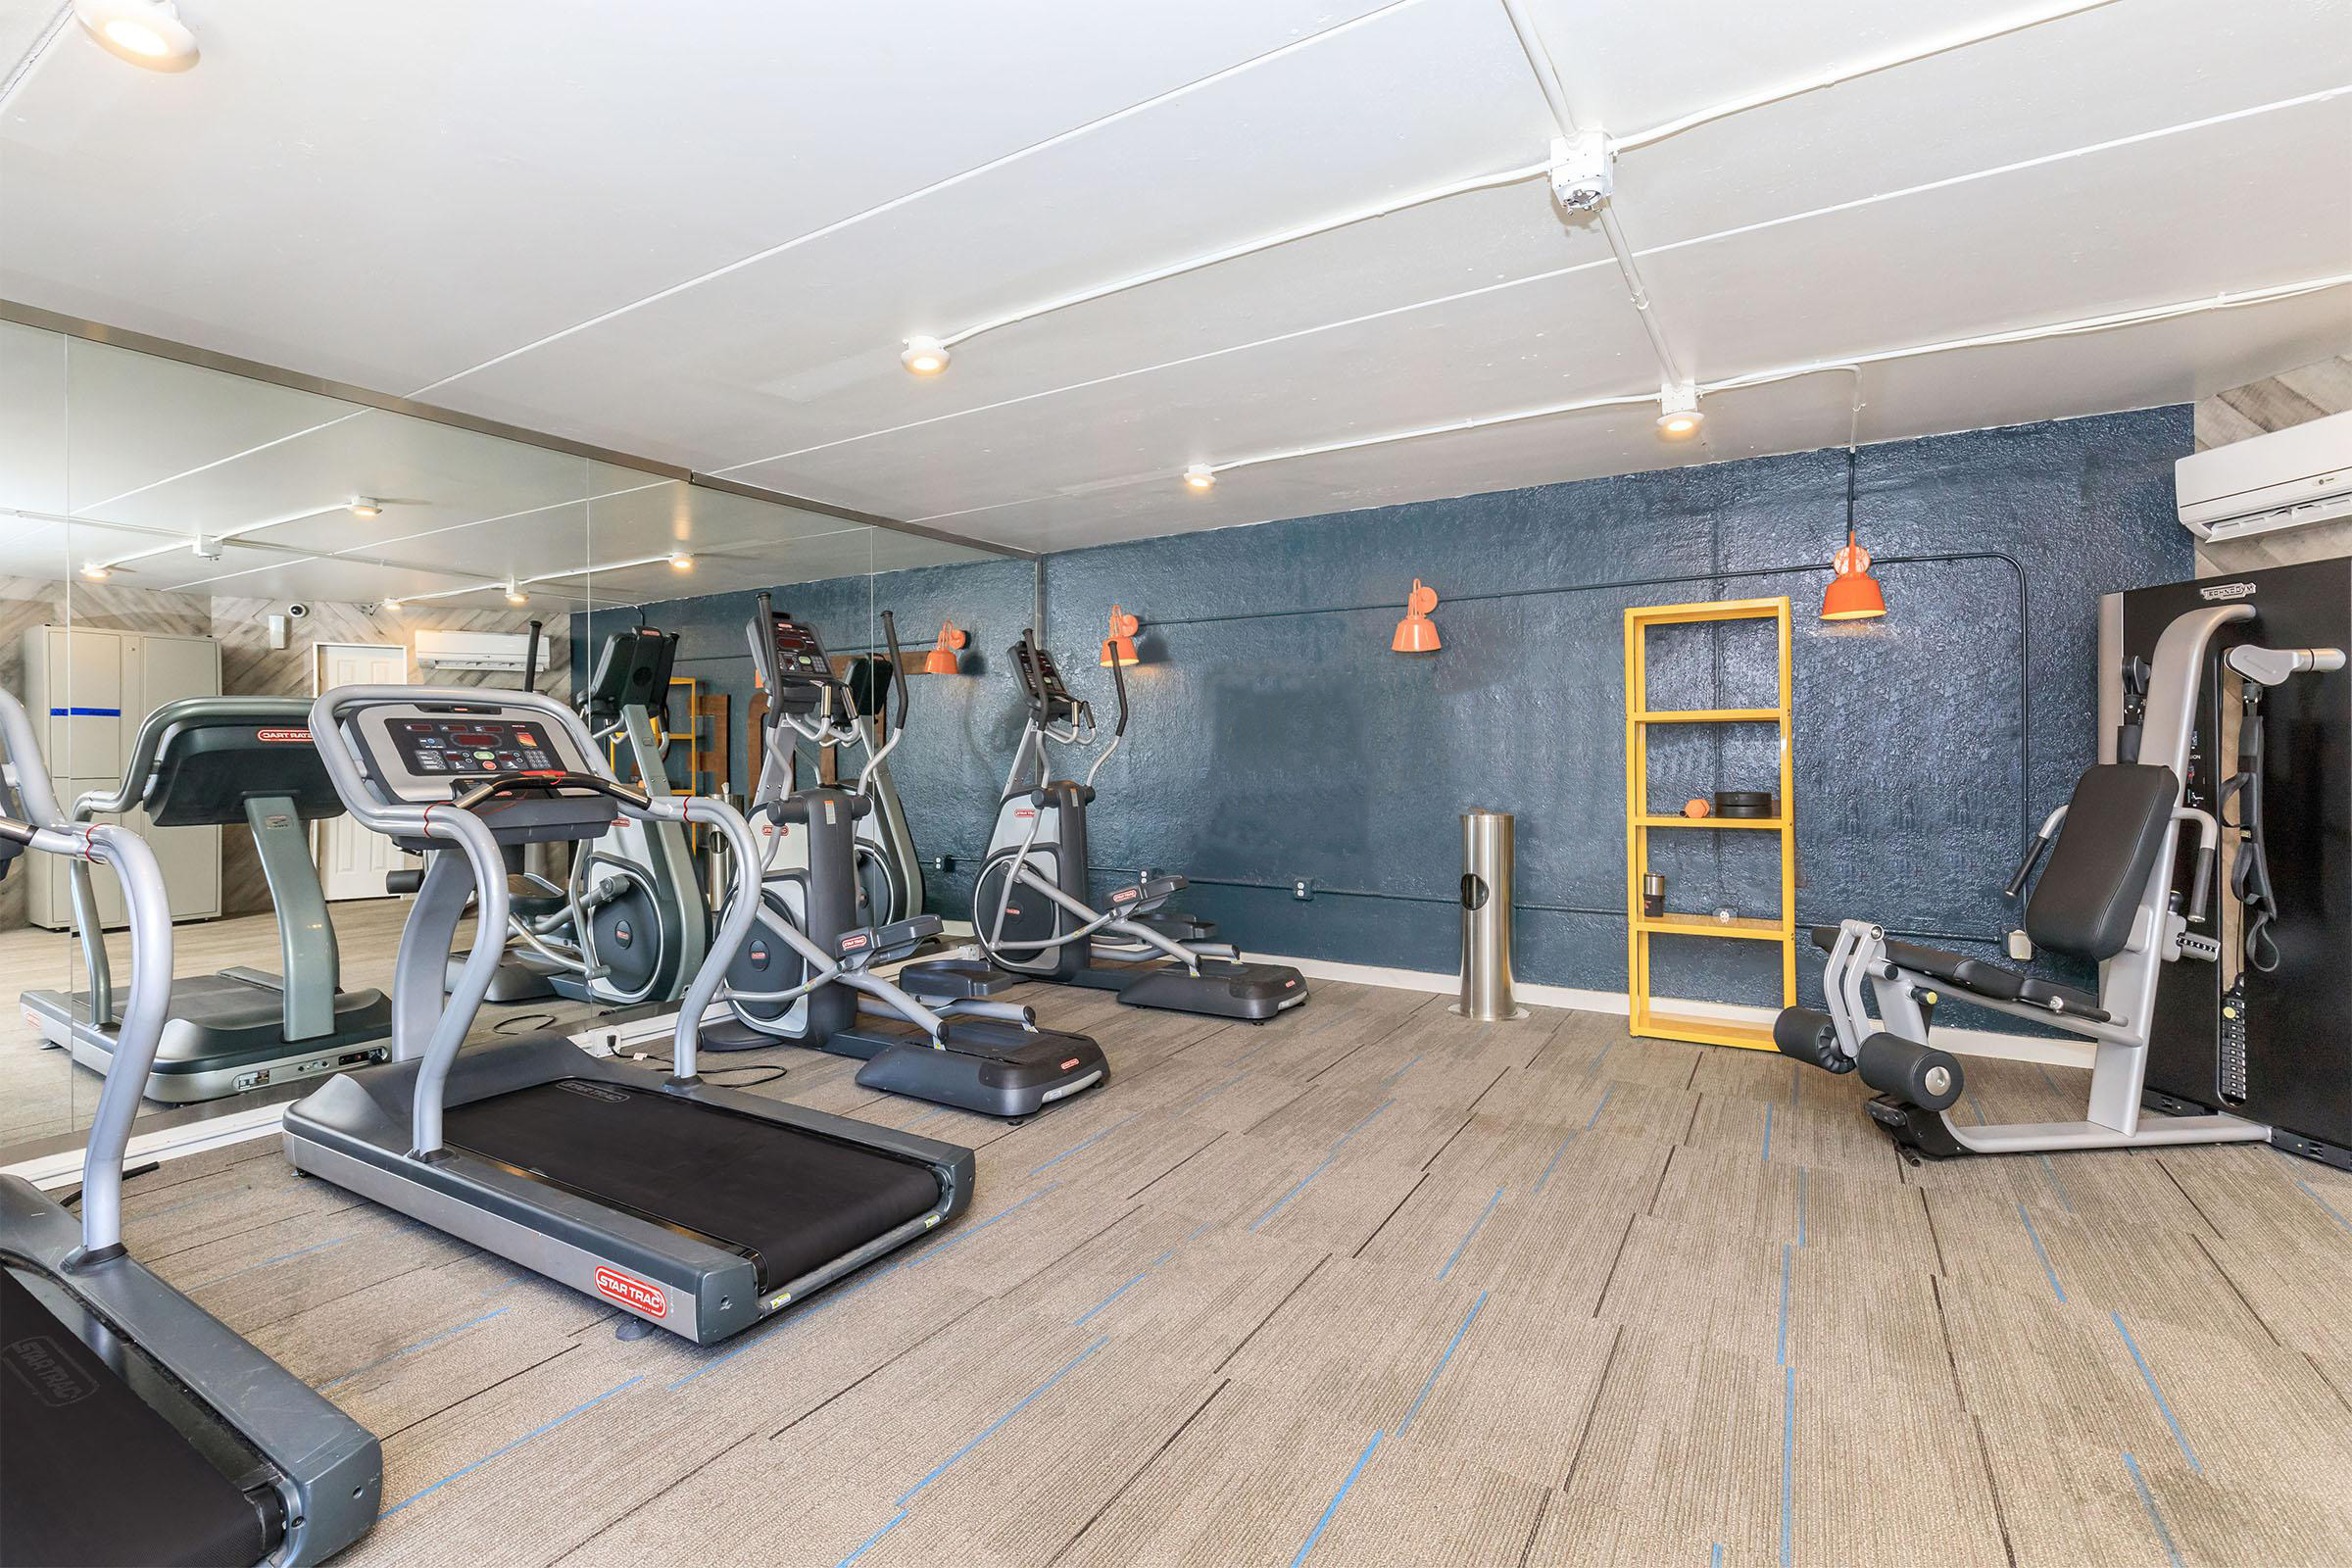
(1487, 918)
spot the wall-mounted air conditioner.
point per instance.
(471, 650)
(2285, 479)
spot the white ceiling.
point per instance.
(701, 234)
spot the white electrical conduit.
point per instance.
(1847, 363)
(1860, 68)
(1250, 247)
(1556, 97)
(231, 535)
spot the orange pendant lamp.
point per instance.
(941, 661)
(1416, 634)
(1119, 647)
(1854, 593)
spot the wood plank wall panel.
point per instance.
(250, 667)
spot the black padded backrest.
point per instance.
(2114, 830)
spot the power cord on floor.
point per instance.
(532, 1022)
(749, 1077)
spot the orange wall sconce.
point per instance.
(1416, 634)
(941, 661)
(1119, 647)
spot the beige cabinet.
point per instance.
(87, 689)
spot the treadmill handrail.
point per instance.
(150, 1003)
(470, 834)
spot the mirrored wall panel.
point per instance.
(216, 547)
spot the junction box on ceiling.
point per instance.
(1582, 175)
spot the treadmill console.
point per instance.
(798, 673)
(419, 753)
(472, 749)
(1041, 683)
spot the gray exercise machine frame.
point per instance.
(564, 1236)
(1032, 771)
(2128, 980)
(309, 982)
(329, 1469)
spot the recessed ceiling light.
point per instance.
(364, 507)
(924, 356)
(515, 596)
(681, 561)
(1679, 413)
(1200, 476)
(146, 32)
(97, 573)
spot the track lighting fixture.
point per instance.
(1201, 477)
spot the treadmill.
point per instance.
(134, 1426)
(206, 761)
(698, 1208)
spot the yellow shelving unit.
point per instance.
(1648, 1020)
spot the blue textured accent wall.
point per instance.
(1277, 737)
(961, 729)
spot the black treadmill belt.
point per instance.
(788, 1200)
(92, 1474)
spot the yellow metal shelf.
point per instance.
(1639, 928)
(1704, 1031)
(1706, 925)
(1711, 715)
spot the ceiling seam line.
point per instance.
(1059, 138)
(1175, 364)
(2039, 161)
(2080, 326)
(1868, 66)
(234, 456)
(1532, 278)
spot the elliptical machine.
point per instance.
(1030, 913)
(628, 927)
(800, 976)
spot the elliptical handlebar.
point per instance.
(898, 669)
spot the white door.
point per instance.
(354, 861)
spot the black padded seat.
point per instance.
(1979, 977)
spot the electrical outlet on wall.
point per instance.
(1302, 890)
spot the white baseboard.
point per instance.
(172, 1142)
(1966, 1042)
